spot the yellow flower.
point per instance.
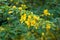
(29, 16)
(24, 14)
(22, 5)
(23, 18)
(46, 12)
(42, 33)
(28, 23)
(33, 22)
(20, 8)
(48, 26)
(32, 13)
(14, 6)
(8, 18)
(16, 2)
(36, 17)
(9, 12)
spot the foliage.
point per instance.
(29, 20)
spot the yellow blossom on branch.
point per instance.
(20, 8)
(29, 16)
(46, 12)
(23, 18)
(48, 26)
(23, 5)
(33, 22)
(28, 23)
(32, 13)
(42, 33)
(14, 7)
(9, 12)
(36, 17)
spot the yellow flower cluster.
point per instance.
(46, 12)
(30, 20)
